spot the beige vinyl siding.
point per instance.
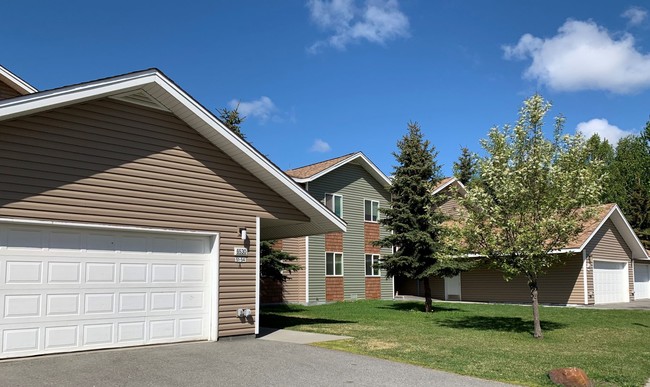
(451, 206)
(355, 184)
(114, 163)
(7, 92)
(608, 244)
(562, 284)
(296, 286)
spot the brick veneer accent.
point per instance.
(271, 291)
(371, 234)
(334, 242)
(373, 288)
(334, 289)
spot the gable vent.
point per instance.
(140, 97)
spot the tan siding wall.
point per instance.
(608, 244)
(450, 207)
(296, 285)
(562, 284)
(113, 163)
(7, 92)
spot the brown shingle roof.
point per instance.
(313, 169)
(590, 226)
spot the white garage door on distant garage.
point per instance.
(641, 280)
(68, 288)
(611, 282)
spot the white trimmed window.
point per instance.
(335, 203)
(371, 210)
(371, 261)
(333, 263)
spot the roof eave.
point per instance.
(15, 82)
(367, 165)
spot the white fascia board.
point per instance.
(100, 226)
(602, 222)
(628, 234)
(450, 182)
(47, 100)
(367, 165)
(245, 154)
(16, 82)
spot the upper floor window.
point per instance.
(335, 203)
(371, 210)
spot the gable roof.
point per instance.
(153, 88)
(448, 182)
(606, 212)
(15, 82)
(603, 213)
(314, 171)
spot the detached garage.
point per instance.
(130, 215)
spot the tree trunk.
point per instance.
(536, 323)
(427, 296)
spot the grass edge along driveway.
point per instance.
(484, 340)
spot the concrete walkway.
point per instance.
(295, 337)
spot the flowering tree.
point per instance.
(532, 197)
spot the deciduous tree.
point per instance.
(533, 197)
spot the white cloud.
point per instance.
(262, 108)
(376, 21)
(604, 129)
(635, 15)
(583, 56)
(320, 146)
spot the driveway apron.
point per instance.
(242, 362)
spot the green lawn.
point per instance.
(485, 341)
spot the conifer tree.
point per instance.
(465, 167)
(412, 217)
(232, 120)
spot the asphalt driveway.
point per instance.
(244, 362)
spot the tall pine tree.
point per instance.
(412, 217)
(465, 167)
(232, 120)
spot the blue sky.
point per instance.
(318, 79)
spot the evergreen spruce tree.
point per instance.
(275, 263)
(232, 120)
(416, 226)
(465, 167)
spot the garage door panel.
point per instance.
(57, 295)
(611, 282)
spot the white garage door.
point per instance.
(641, 281)
(66, 289)
(610, 282)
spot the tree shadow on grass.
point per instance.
(500, 324)
(416, 306)
(279, 321)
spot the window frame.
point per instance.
(334, 197)
(335, 254)
(372, 201)
(374, 259)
